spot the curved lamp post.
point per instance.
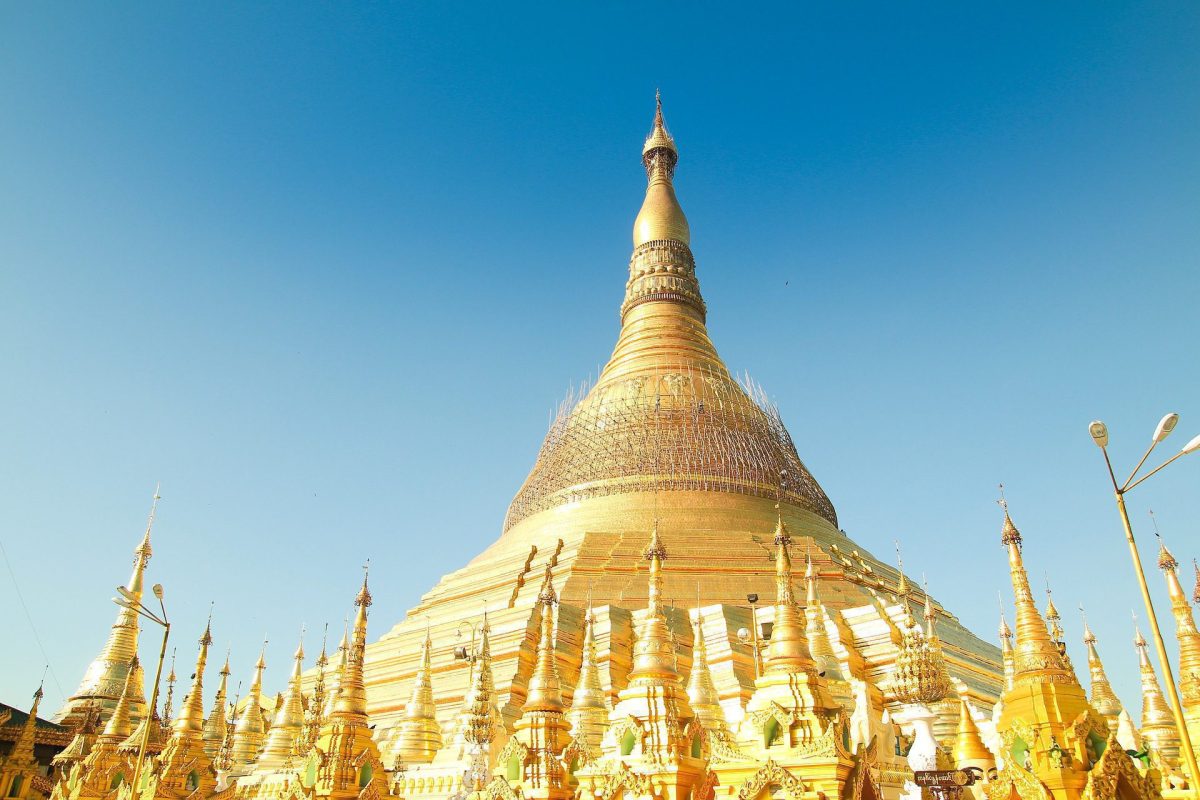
(1099, 432)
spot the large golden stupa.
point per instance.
(666, 434)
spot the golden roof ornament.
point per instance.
(314, 715)
(250, 730)
(1103, 699)
(168, 710)
(702, 693)
(217, 724)
(419, 736)
(919, 676)
(280, 746)
(969, 749)
(1036, 657)
(589, 710)
(1158, 724)
(545, 693)
(1186, 632)
(185, 769)
(661, 218)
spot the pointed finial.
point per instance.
(902, 588)
(364, 594)
(658, 117)
(1196, 591)
(1088, 636)
(1005, 631)
(546, 595)
(1010, 535)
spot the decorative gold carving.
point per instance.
(772, 774)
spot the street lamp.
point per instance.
(1099, 432)
(132, 602)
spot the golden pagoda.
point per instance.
(184, 769)
(18, 767)
(418, 737)
(1054, 745)
(1158, 724)
(1104, 699)
(1189, 641)
(532, 761)
(104, 681)
(588, 714)
(969, 749)
(345, 762)
(216, 727)
(250, 731)
(653, 745)
(665, 436)
(276, 769)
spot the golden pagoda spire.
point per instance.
(335, 685)
(1185, 632)
(288, 723)
(653, 652)
(1104, 699)
(420, 736)
(702, 693)
(969, 749)
(589, 710)
(1196, 589)
(1158, 724)
(19, 766)
(542, 727)
(1036, 657)
(480, 717)
(104, 767)
(661, 217)
(1054, 620)
(545, 692)
(819, 643)
(168, 709)
(314, 716)
(101, 684)
(250, 729)
(215, 727)
(787, 650)
(346, 758)
(352, 692)
(1006, 649)
(117, 729)
(184, 767)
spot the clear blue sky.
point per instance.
(323, 271)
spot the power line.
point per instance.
(28, 616)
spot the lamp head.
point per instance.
(1192, 446)
(743, 635)
(1099, 432)
(158, 591)
(1165, 426)
(752, 598)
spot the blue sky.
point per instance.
(324, 271)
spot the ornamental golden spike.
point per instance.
(1104, 699)
(1186, 632)
(545, 692)
(1036, 656)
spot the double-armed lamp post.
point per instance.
(1167, 424)
(132, 602)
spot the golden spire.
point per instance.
(969, 749)
(480, 720)
(420, 736)
(21, 752)
(661, 217)
(288, 722)
(1036, 657)
(184, 758)
(1104, 699)
(589, 705)
(1158, 724)
(545, 692)
(352, 693)
(1054, 619)
(788, 647)
(335, 686)
(169, 704)
(216, 726)
(250, 728)
(116, 730)
(819, 643)
(107, 672)
(191, 713)
(654, 652)
(1196, 590)
(1006, 649)
(314, 716)
(1185, 629)
(702, 693)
